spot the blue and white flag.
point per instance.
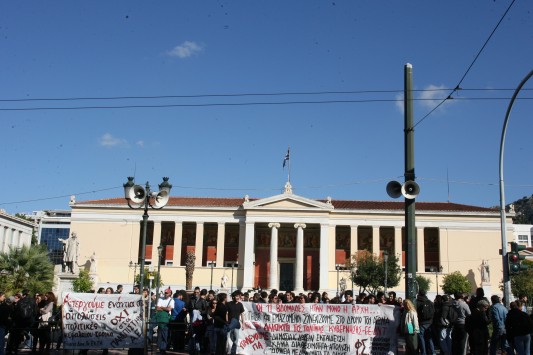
(287, 156)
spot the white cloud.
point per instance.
(185, 50)
(432, 95)
(140, 143)
(107, 140)
(399, 101)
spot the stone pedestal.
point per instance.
(487, 288)
(63, 282)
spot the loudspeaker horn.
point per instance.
(137, 194)
(394, 189)
(160, 198)
(410, 190)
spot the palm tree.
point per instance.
(26, 268)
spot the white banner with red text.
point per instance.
(319, 329)
(102, 321)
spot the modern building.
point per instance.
(52, 226)
(286, 242)
(15, 232)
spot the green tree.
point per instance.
(83, 283)
(189, 269)
(26, 268)
(368, 271)
(455, 282)
(423, 283)
(522, 283)
(147, 274)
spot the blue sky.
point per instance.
(212, 142)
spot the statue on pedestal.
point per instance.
(71, 252)
(224, 281)
(485, 272)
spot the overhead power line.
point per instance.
(458, 86)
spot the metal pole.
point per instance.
(159, 250)
(386, 259)
(211, 286)
(337, 267)
(232, 265)
(506, 276)
(410, 229)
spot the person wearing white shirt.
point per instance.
(164, 304)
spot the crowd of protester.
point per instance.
(202, 322)
(27, 320)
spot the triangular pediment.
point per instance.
(287, 202)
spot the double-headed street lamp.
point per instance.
(140, 197)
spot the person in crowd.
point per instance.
(477, 326)
(498, 313)
(519, 327)
(198, 302)
(325, 297)
(380, 298)
(315, 297)
(5, 321)
(523, 301)
(245, 297)
(392, 299)
(370, 299)
(177, 321)
(236, 318)
(264, 297)
(348, 297)
(164, 304)
(445, 333)
(109, 291)
(119, 290)
(136, 290)
(23, 319)
(256, 297)
(425, 310)
(289, 297)
(410, 328)
(480, 295)
(361, 298)
(272, 298)
(459, 334)
(211, 336)
(44, 330)
(400, 302)
(101, 290)
(34, 329)
(220, 320)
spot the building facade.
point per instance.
(15, 232)
(286, 242)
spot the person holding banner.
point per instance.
(235, 317)
(410, 327)
(164, 307)
(220, 317)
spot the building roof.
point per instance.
(337, 204)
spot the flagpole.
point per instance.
(289, 153)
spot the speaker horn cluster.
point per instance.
(409, 189)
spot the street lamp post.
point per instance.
(212, 265)
(338, 269)
(142, 198)
(160, 254)
(438, 270)
(386, 261)
(232, 265)
(134, 266)
(506, 275)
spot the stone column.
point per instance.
(248, 257)
(299, 272)
(3, 238)
(221, 239)
(178, 241)
(353, 241)
(325, 257)
(420, 251)
(274, 278)
(398, 244)
(375, 240)
(156, 240)
(199, 244)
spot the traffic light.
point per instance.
(514, 258)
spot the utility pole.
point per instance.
(410, 228)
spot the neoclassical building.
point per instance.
(15, 232)
(286, 242)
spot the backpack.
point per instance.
(426, 310)
(450, 313)
(25, 310)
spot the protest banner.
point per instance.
(102, 321)
(318, 329)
